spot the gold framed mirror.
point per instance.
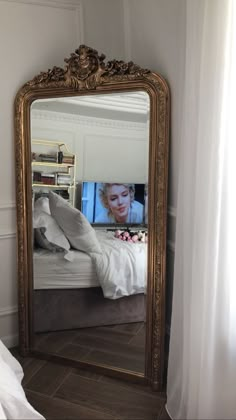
(91, 146)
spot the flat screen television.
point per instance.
(114, 203)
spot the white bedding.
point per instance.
(121, 267)
(120, 270)
(52, 271)
(13, 402)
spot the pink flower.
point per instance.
(126, 234)
(135, 238)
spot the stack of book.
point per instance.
(36, 176)
(47, 178)
(69, 159)
(63, 179)
(48, 158)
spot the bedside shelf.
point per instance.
(53, 186)
(44, 171)
(52, 164)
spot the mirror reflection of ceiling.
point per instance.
(132, 106)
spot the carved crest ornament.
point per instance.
(86, 71)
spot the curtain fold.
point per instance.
(202, 361)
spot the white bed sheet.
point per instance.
(52, 271)
(13, 402)
(121, 267)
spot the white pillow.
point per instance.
(42, 204)
(52, 232)
(74, 224)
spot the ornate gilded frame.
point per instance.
(86, 72)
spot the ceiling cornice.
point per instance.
(87, 121)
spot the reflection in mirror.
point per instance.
(90, 184)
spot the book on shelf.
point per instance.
(63, 179)
(48, 158)
(48, 178)
(36, 176)
(68, 158)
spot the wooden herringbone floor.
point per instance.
(62, 392)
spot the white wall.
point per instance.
(34, 36)
(153, 36)
(104, 27)
(155, 39)
(102, 146)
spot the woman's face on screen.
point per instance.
(119, 200)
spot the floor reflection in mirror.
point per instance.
(121, 346)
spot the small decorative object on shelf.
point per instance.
(60, 157)
(58, 166)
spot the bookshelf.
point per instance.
(53, 168)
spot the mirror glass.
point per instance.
(90, 159)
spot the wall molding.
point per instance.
(7, 235)
(7, 206)
(8, 310)
(75, 5)
(59, 4)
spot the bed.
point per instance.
(68, 295)
(101, 283)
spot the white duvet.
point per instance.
(13, 402)
(121, 267)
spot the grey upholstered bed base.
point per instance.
(63, 309)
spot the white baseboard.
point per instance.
(10, 340)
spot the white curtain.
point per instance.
(202, 361)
